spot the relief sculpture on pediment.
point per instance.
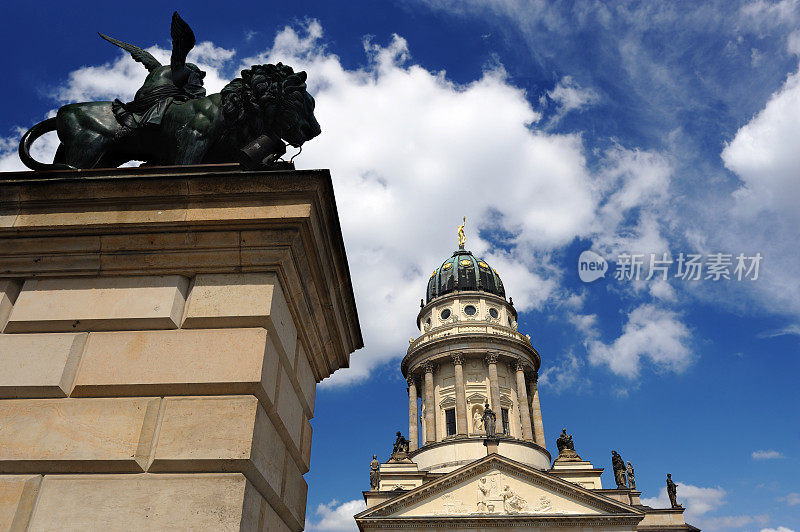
(491, 499)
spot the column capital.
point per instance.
(491, 358)
(535, 376)
(520, 365)
(411, 379)
(428, 367)
(458, 359)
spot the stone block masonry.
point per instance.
(163, 333)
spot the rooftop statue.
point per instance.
(566, 448)
(171, 121)
(400, 448)
(618, 466)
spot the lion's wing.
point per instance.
(182, 41)
(139, 55)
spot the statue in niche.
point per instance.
(512, 502)
(400, 448)
(631, 478)
(489, 421)
(672, 491)
(477, 421)
(374, 473)
(618, 466)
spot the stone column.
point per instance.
(522, 398)
(538, 429)
(494, 391)
(461, 396)
(430, 407)
(413, 435)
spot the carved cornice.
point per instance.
(497, 522)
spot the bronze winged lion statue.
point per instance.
(171, 121)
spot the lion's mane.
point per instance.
(252, 103)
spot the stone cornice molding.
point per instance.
(475, 343)
(190, 220)
(498, 522)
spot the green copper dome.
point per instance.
(463, 272)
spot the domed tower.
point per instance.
(454, 474)
(470, 354)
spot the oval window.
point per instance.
(447, 266)
(466, 262)
(445, 314)
(493, 313)
(469, 310)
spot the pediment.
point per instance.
(496, 487)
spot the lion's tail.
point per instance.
(27, 141)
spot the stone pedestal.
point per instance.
(163, 332)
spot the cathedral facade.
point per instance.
(475, 457)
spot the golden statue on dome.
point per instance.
(461, 238)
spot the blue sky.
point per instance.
(555, 128)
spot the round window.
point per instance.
(445, 314)
(493, 313)
(466, 262)
(469, 310)
(447, 266)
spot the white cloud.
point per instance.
(766, 455)
(793, 329)
(697, 500)
(793, 43)
(651, 332)
(792, 499)
(401, 140)
(337, 517)
(763, 216)
(729, 522)
(779, 529)
(568, 96)
(585, 323)
(566, 375)
(764, 155)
